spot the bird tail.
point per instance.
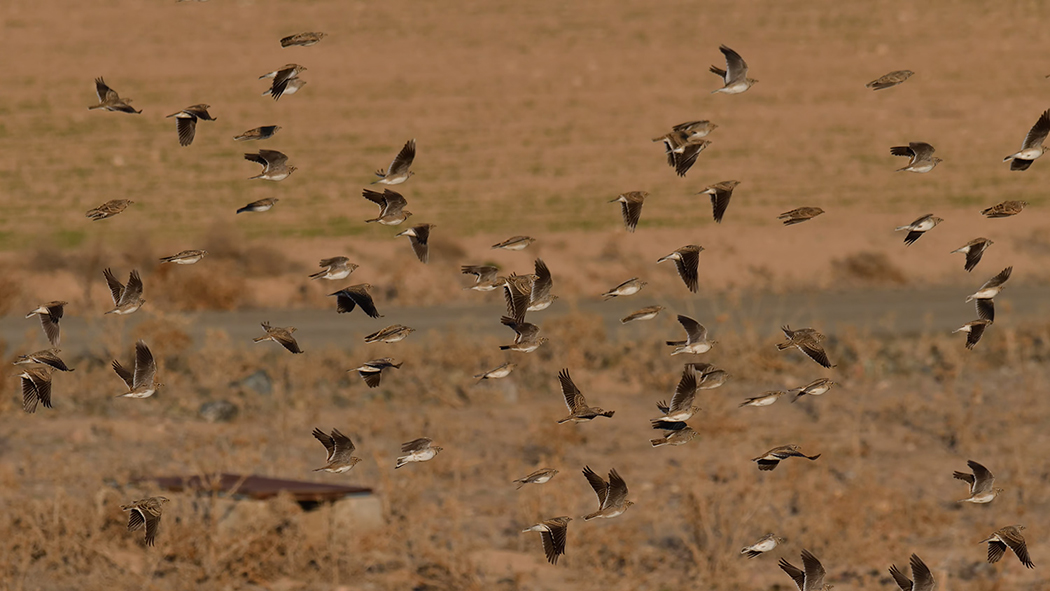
(319, 274)
(243, 209)
(782, 346)
(795, 399)
(812, 457)
(255, 340)
(520, 484)
(658, 442)
(901, 228)
(608, 413)
(503, 348)
(591, 516)
(400, 462)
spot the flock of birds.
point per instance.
(533, 293)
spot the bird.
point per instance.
(108, 209)
(259, 133)
(417, 450)
(919, 571)
(646, 313)
(281, 79)
(631, 207)
(486, 277)
(372, 371)
(578, 409)
(735, 75)
(291, 86)
(810, 579)
(275, 165)
(681, 407)
(1004, 209)
(280, 335)
(973, 250)
(687, 261)
(390, 334)
(419, 236)
(185, 257)
(517, 291)
(974, 329)
(526, 337)
(921, 155)
(36, 387)
(675, 433)
(1032, 147)
(145, 513)
(540, 297)
(981, 481)
(918, 227)
(48, 357)
(1008, 537)
(126, 299)
(109, 100)
(815, 388)
(553, 532)
(808, 341)
(764, 544)
(334, 268)
(889, 80)
(681, 138)
(799, 215)
(50, 315)
(771, 458)
(720, 194)
(990, 289)
(515, 243)
(696, 340)
(538, 477)
(340, 452)
(765, 399)
(391, 206)
(186, 122)
(629, 287)
(260, 205)
(356, 295)
(303, 39)
(612, 495)
(711, 377)
(398, 172)
(142, 383)
(683, 158)
(496, 373)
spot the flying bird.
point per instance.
(720, 194)
(348, 298)
(681, 407)
(391, 206)
(398, 172)
(799, 215)
(685, 142)
(417, 450)
(631, 207)
(36, 387)
(340, 452)
(647, 313)
(808, 341)
(696, 340)
(981, 483)
(919, 571)
(1032, 147)
(1004, 209)
(50, 315)
(275, 165)
(334, 268)
(108, 209)
(515, 243)
(282, 79)
(372, 371)
(145, 513)
(687, 261)
(260, 205)
(917, 228)
(1008, 537)
(975, 329)
(391, 334)
(142, 383)
(259, 133)
(186, 122)
(526, 337)
(810, 579)
(764, 544)
(773, 457)
(303, 39)
(185, 257)
(734, 77)
(419, 236)
(48, 357)
(486, 277)
(280, 335)
(974, 250)
(496, 373)
(983, 297)
(629, 287)
(109, 100)
(889, 80)
(538, 477)
(817, 387)
(126, 299)
(579, 412)
(920, 154)
(553, 533)
(612, 495)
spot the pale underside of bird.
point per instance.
(390, 334)
(890, 80)
(540, 476)
(647, 313)
(348, 298)
(398, 171)
(919, 571)
(496, 373)
(1032, 147)
(808, 578)
(419, 236)
(1004, 209)
(186, 122)
(108, 209)
(553, 533)
(920, 154)
(629, 287)
(696, 340)
(808, 341)
(334, 268)
(275, 165)
(372, 371)
(579, 412)
(973, 250)
(799, 215)
(340, 450)
(145, 514)
(765, 399)
(258, 133)
(526, 335)
(981, 481)
(417, 450)
(109, 100)
(142, 382)
(720, 194)
(612, 494)
(50, 314)
(734, 76)
(48, 357)
(773, 457)
(764, 544)
(260, 205)
(687, 262)
(920, 226)
(280, 335)
(185, 257)
(126, 298)
(631, 207)
(974, 329)
(817, 387)
(1008, 537)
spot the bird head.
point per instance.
(627, 504)
(162, 499)
(437, 448)
(292, 169)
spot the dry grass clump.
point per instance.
(871, 268)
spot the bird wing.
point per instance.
(152, 525)
(695, 331)
(601, 488)
(361, 298)
(133, 290)
(736, 67)
(404, 159)
(907, 151)
(287, 341)
(342, 445)
(983, 478)
(922, 150)
(257, 158)
(998, 279)
(104, 92)
(921, 573)
(124, 374)
(1039, 131)
(29, 395)
(116, 288)
(985, 309)
(343, 302)
(573, 397)
(517, 296)
(395, 202)
(421, 234)
(965, 477)
(145, 366)
(794, 572)
(1012, 538)
(617, 490)
(49, 323)
(549, 549)
(371, 378)
(973, 256)
(902, 581)
(689, 267)
(558, 530)
(684, 393)
(684, 161)
(187, 128)
(814, 572)
(815, 352)
(720, 203)
(135, 519)
(632, 212)
(327, 441)
(333, 261)
(416, 445)
(375, 197)
(273, 158)
(996, 549)
(541, 286)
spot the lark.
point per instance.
(303, 39)
(767, 398)
(334, 268)
(340, 452)
(260, 205)
(764, 544)
(142, 383)
(974, 329)
(735, 75)
(291, 87)
(799, 215)
(348, 298)
(687, 261)
(50, 315)
(281, 79)
(280, 335)
(711, 376)
(612, 495)
(771, 458)
(889, 80)
(1032, 147)
(391, 204)
(973, 250)
(186, 257)
(629, 287)
(675, 434)
(36, 388)
(419, 236)
(920, 226)
(526, 339)
(517, 291)
(685, 142)
(685, 157)
(696, 341)
(538, 477)
(808, 341)
(417, 450)
(720, 194)
(515, 243)
(631, 207)
(259, 133)
(496, 373)
(681, 407)
(817, 387)
(1008, 537)
(646, 313)
(109, 100)
(919, 571)
(391, 334)
(981, 483)
(540, 297)
(48, 357)
(372, 371)
(1004, 209)
(983, 297)
(579, 412)
(810, 579)
(126, 299)
(486, 277)
(275, 165)
(108, 209)
(145, 513)
(398, 172)
(921, 157)
(553, 532)
(186, 122)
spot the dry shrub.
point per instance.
(164, 332)
(873, 268)
(9, 292)
(248, 259)
(219, 286)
